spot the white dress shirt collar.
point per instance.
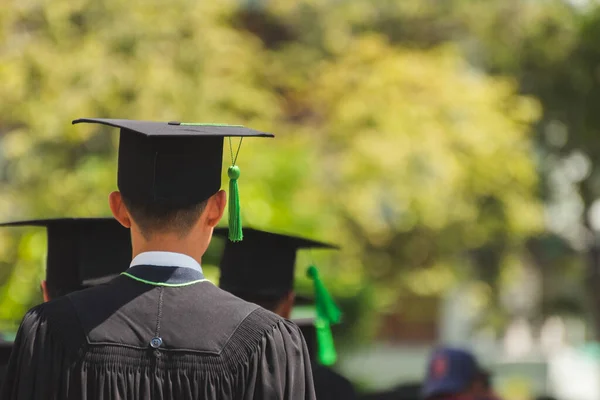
(165, 259)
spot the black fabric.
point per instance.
(95, 344)
(5, 350)
(410, 391)
(174, 172)
(329, 385)
(263, 264)
(170, 163)
(81, 250)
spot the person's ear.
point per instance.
(45, 295)
(118, 209)
(215, 208)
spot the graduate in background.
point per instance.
(81, 252)
(160, 330)
(328, 383)
(454, 374)
(76, 259)
(261, 270)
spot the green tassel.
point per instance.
(326, 348)
(327, 313)
(235, 215)
(326, 307)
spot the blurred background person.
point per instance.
(261, 269)
(455, 374)
(77, 255)
(77, 258)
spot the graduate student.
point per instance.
(261, 270)
(81, 252)
(328, 383)
(76, 258)
(160, 330)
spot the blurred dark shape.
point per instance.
(5, 350)
(407, 391)
(267, 27)
(546, 398)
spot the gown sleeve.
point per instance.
(282, 368)
(33, 362)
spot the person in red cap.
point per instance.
(454, 374)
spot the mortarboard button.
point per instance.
(156, 342)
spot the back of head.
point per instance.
(451, 371)
(156, 218)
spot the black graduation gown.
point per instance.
(410, 391)
(96, 344)
(5, 349)
(329, 385)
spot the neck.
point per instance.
(190, 245)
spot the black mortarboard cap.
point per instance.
(83, 252)
(263, 264)
(175, 163)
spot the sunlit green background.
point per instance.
(438, 142)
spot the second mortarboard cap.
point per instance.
(177, 164)
(82, 252)
(263, 264)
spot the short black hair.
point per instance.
(159, 218)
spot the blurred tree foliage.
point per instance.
(416, 163)
(550, 49)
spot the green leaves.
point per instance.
(387, 150)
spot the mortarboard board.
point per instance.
(175, 163)
(83, 252)
(263, 264)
